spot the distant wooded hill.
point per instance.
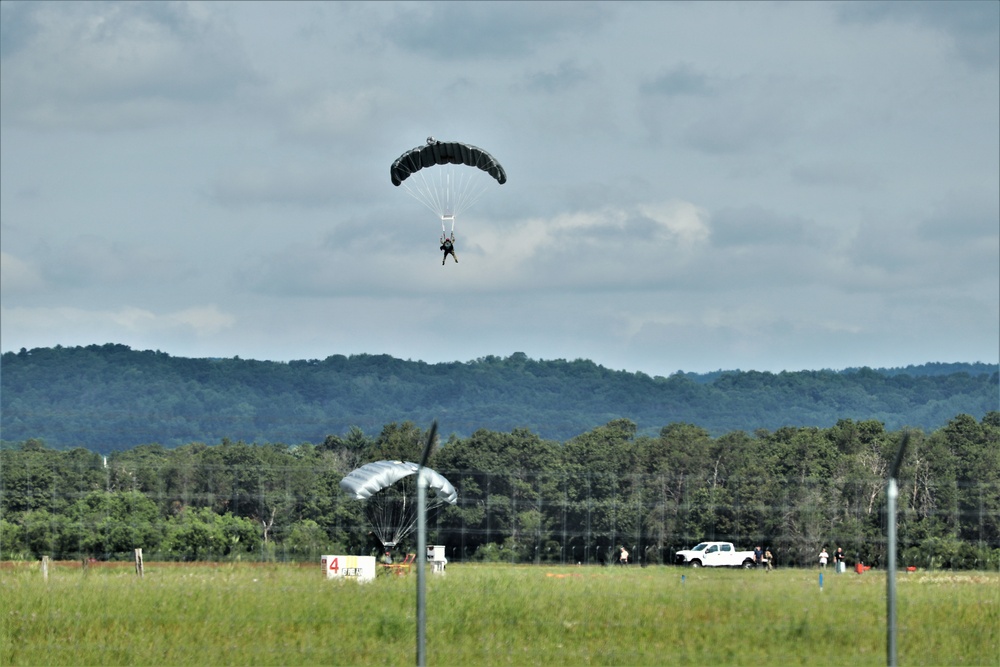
(109, 397)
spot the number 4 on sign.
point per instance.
(334, 565)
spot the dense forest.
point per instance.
(523, 498)
(108, 398)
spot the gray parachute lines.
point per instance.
(389, 496)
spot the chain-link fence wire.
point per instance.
(288, 514)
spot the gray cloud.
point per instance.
(972, 26)
(113, 65)
(282, 186)
(756, 226)
(961, 218)
(479, 30)
(691, 186)
(565, 76)
(838, 174)
(18, 27)
(683, 79)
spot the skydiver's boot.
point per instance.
(442, 260)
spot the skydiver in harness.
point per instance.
(448, 245)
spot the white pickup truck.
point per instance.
(715, 554)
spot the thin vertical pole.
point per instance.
(892, 491)
(890, 586)
(422, 550)
(421, 567)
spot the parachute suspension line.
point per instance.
(447, 190)
(392, 512)
(384, 518)
(467, 185)
(473, 184)
(420, 188)
(376, 512)
(386, 511)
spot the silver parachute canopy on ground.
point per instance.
(388, 489)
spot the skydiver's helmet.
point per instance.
(430, 141)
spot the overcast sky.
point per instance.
(691, 186)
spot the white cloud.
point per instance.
(603, 249)
(203, 320)
(67, 325)
(18, 276)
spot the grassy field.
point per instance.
(233, 614)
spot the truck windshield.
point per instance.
(700, 547)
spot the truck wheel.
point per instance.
(696, 563)
(748, 564)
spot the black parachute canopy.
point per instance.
(445, 152)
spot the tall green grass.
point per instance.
(491, 614)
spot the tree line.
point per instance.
(523, 498)
(109, 397)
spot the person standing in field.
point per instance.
(768, 558)
(838, 558)
(623, 556)
(758, 555)
(823, 557)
